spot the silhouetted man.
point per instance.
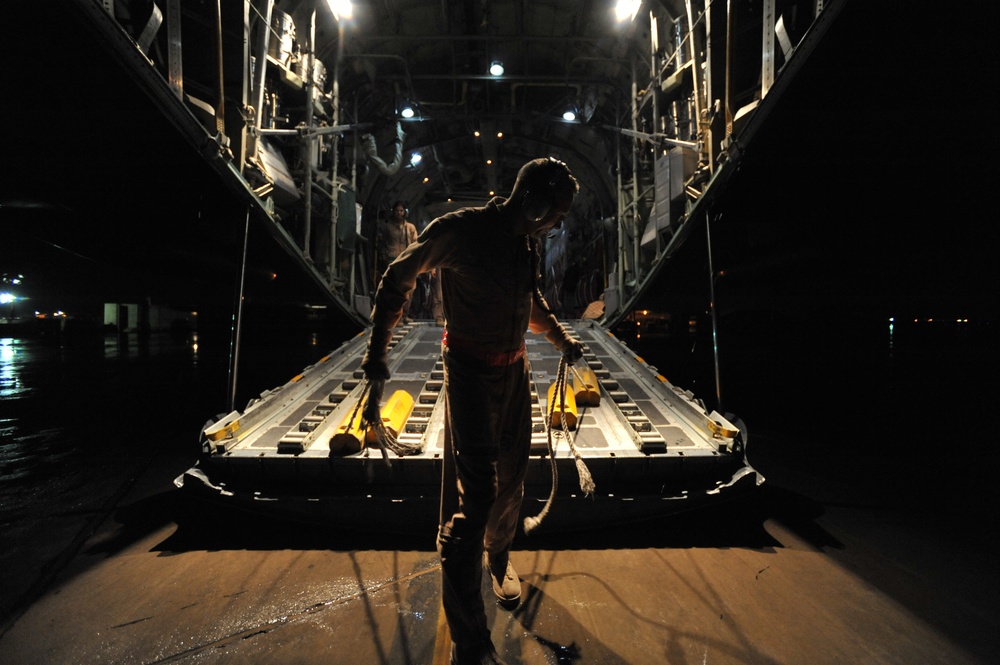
(488, 261)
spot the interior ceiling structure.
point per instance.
(557, 55)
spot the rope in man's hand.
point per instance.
(586, 480)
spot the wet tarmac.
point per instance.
(797, 574)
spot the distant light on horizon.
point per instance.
(939, 320)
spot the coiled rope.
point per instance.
(586, 480)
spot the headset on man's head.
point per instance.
(536, 202)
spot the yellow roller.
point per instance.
(349, 436)
(557, 411)
(394, 414)
(585, 387)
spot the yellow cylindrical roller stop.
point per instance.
(556, 406)
(394, 413)
(349, 437)
(585, 387)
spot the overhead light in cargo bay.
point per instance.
(342, 9)
(496, 68)
(625, 10)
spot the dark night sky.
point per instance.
(876, 173)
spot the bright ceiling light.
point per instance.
(415, 159)
(625, 10)
(341, 9)
(407, 111)
(496, 68)
(569, 116)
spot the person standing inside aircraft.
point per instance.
(395, 235)
(488, 262)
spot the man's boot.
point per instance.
(506, 584)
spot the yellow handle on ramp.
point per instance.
(394, 414)
(556, 408)
(350, 435)
(585, 387)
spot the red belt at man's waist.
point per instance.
(477, 352)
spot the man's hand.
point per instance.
(572, 350)
(375, 369)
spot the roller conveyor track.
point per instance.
(646, 439)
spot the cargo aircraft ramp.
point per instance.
(651, 447)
